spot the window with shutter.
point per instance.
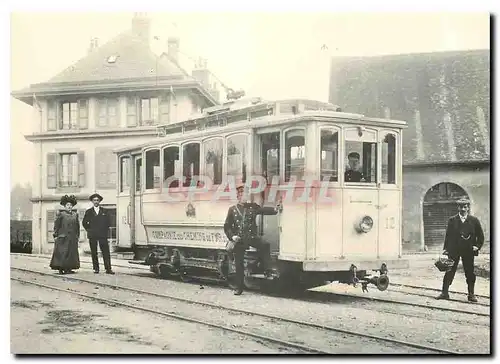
(51, 115)
(131, 111)
(107, 112)
(149, 111)
(52, 170)
(83, 114)
(51, 217)
(67, 170)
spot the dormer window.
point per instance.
(112, 59)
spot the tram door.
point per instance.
(139, 232)
(270, 167)
(123, 204)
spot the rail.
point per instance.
(218, 306)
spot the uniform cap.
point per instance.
(463, 201)
(353, 155)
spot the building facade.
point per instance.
(115, 96)
(445, 99)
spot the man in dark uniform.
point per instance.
(96, 223)
(352, 174)
(464, 238)
(241, 228)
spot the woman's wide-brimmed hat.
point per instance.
(96, 195)
(65, 199)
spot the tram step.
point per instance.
(260, 276)
(138, 262)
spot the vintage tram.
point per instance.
(296, 152)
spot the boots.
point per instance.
(471, 297)
(443, 296)
(444, 292)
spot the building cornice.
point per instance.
(98, 87)
(93, 134)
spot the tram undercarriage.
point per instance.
(263, 269)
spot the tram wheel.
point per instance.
(185, 277)
(164, 271)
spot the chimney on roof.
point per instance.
(173, 48)
(141, 26)
(94, 44)
(202, 75)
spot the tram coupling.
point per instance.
(380, 281)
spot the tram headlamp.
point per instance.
(365, 224)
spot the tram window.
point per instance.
(389, 159)
(329, 155)
(190, 162)
(360, 162)
(270, 155)
(214, 159)
(236, 157)
(138, 170)
(295, 154)
(124, 174)
(171, 165)
(153, 173)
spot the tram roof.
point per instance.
(255, 113)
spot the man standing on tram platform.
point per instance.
(240, 228)
(353, 174)
(464, 238)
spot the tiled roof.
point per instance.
(134, 59)
(450, 91)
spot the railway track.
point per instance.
(328, 330)
(326, 296)
(423, 288)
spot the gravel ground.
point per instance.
(325, 340)
(53, 322)
(466, 338)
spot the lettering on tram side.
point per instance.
(359, 201)
(209, 237)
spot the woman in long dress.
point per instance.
(65, 256)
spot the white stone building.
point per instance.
(114, 96)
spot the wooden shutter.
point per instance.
(114, 120)
(81, 169)
(101, 113)
(51, 115)
(83, 114)
(101, 173)
(52, 170)
(131, 111)
(51, 217)
(164, 109)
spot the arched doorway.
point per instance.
(439, 205)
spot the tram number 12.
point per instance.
(390, 223)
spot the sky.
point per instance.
(271, 55)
